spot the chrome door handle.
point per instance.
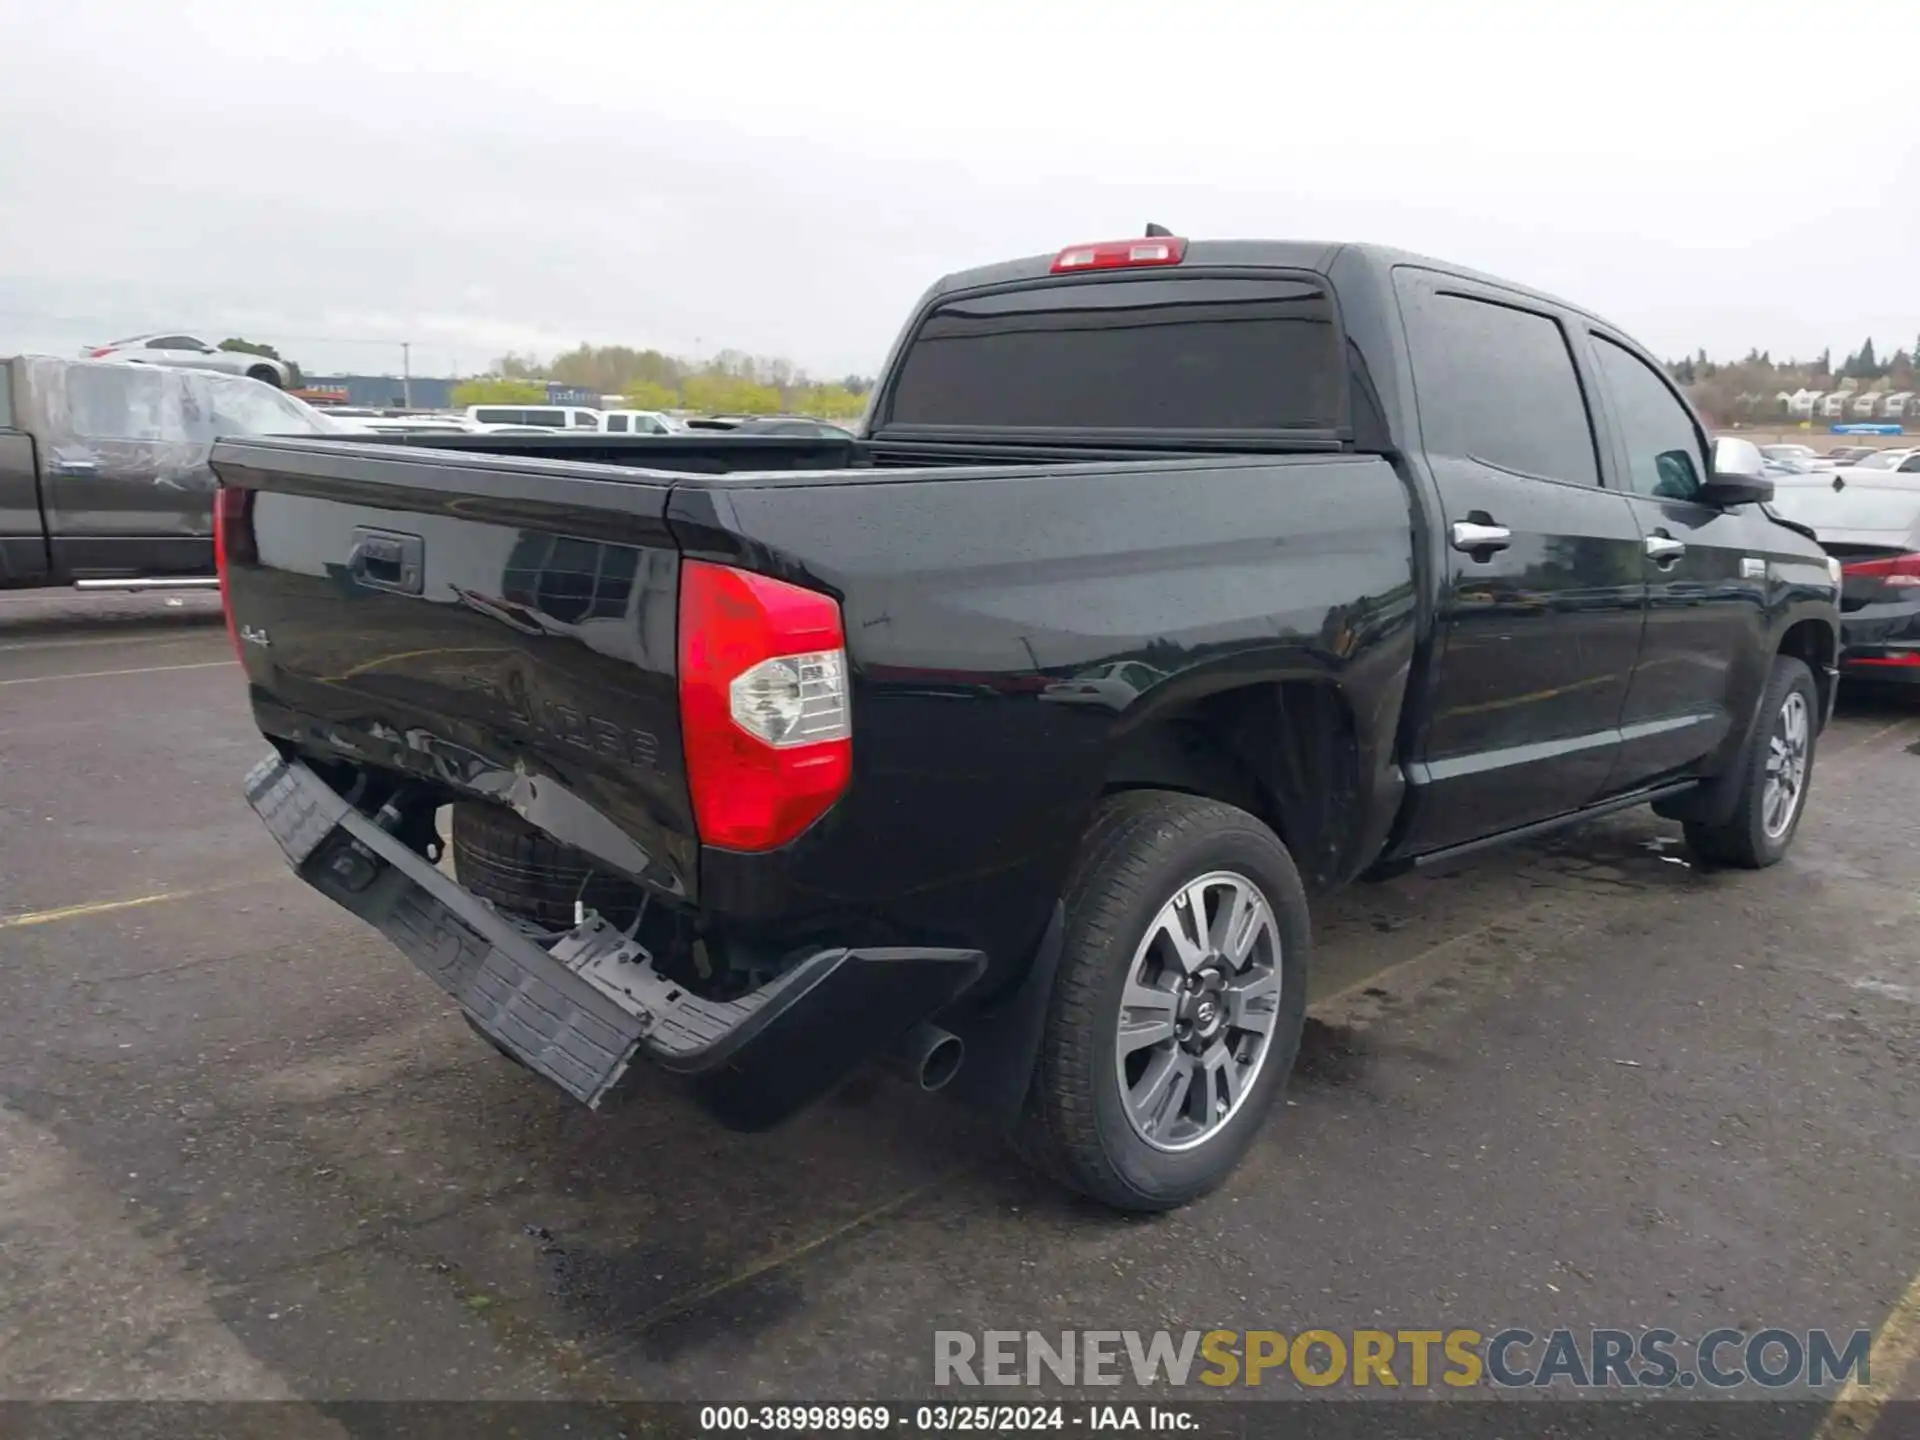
(1664, 550)
(1471, 537)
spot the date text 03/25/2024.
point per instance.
(943, 1419)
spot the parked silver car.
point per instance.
(192, 354)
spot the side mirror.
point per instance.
(1739, 474)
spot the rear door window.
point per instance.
(1495, 383)
(1199, 353)
(616, 424)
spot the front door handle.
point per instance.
(1477, 539)
(1663, 550)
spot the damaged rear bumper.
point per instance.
(579, 1009)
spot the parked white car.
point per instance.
(639, 422)
(1886, 460)
(187, 353)
(546, 417)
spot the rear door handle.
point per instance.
(1663, 550)
(1477, 539)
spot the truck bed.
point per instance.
(527, 655)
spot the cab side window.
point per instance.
(1664, 457)
(1496, 384)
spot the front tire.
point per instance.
(1177, 1010)
(1775, 772)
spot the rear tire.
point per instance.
(265, 373)
(1108, 1114)
(1775, 773)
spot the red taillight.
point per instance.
(232, 544)
(764, 713)
(1894, 570)
(1908, 657)
(1119, 255)
(95, 354)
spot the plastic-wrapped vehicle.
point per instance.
(103, 468)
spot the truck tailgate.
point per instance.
(503, 626)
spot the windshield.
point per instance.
(1885, 460)
(1200, 353)
(247, 407)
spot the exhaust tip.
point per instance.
(941, 1062)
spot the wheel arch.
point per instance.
(1286, 750)
(1813, 641)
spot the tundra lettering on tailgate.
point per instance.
(555, 721)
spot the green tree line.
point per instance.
(1729, 390)
(734, 382)
(731, 383)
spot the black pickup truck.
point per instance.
(1164, 585)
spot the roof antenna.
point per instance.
(1158, 232)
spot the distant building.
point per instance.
(421, 392)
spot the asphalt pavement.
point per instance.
(247, 1152)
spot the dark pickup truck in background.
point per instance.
(1166, 584)
(103, 468)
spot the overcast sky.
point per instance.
(786, 177)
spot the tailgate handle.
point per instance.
(385, 560)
